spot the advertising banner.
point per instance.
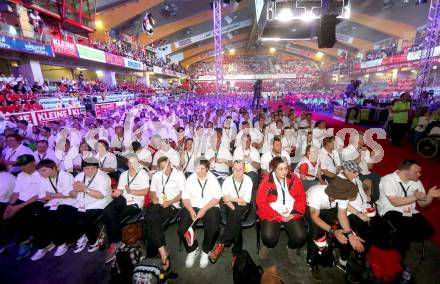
(42, 117)
(64, 47)
(104, 107)
(89, 53)
(371, 63)
(133, 64)
(114, 59)
(22, 45)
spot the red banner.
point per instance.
(64, 47)
(104, 107)
(42, 117)
(114, 59)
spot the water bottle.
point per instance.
(406, 276)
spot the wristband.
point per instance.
(349, 233)
(332, 231)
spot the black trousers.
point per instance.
(232, 233)
(296, 231)
(408, 229)
(24, 223)
(87, 223)
(156, 220)
(114, 213)
(54, 226)
(398, 131)
(211, 222)
(330, 216)
(4, 228)
(255, 183)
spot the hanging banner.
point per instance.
(133, 64)
(89, 53)
(64, 47)
(104, 107)
(42, 117)
(113, 59)
(23, 45)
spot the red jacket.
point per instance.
(296, 190)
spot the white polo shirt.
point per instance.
(12, 155)
(239, 154)
(27, 186)
(48, 155)
(350, 153)
(201, 194)
(188, 161)
(8, 184)
(171, 154)
(329, 161)
(63, 184)
(360, 203)
(107, 161)
(77, 161)
(318, 199)
(102, 183)
(224, 154)
(141, 180)
(392, 185)
(268, 157)
(144, 155)
(241, 189)
(168, 187)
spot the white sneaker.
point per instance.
(61, 250)
(94, 247)
(191, 258)
(80, 244)
(42, 252)
(204, 260)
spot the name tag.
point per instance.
(82, 208)
(130, 200)
(164, 199)
(54, 207)
(242, 203)
(246, 168)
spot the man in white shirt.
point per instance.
(6, 190)
(52, 228)
(326, 204)
(220, 158)
(200, 198)
(187, 157)
(237, 193)
(400, 192)
(329, 159)
(276, 151)
(13, 151)
(128, 200)
(251, 158)
(23, 203)
(43, 152)
(144, 156)
(165, 192)
(92, 189)
(167, 151)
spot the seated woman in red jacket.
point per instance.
(281, 200)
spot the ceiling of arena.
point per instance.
(371, 22)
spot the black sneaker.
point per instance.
(341, 267)
(314, 272)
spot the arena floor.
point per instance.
(86, 268)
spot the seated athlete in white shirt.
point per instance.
(24, 204)
(144, 156)
(237, 194)
(92, 189)
(13, 151)
(43, 152)
(55, 219)
(165, 193)
(200, 198)
(85, 151)
(400, 192)
(329, 159)
(220, 158)
(276, 151)
(166, 151)
(326, 204)
(308, 169)
(251, 158)
(107, 160)
(6, 190)
(128, 200)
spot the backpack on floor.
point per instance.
(124, 264)
(245, 270)
(148, 271)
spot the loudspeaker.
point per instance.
(327, 32)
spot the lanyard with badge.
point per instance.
(202, 187)
(82, 205)
(285, 210)
(188, 158)
(130, 200)
(238, 190)
(406, 211)
(101, 164)
(55, 188)
(164, 197)
(10, 156)
(42, 158)
(333, 160)
(121, 141)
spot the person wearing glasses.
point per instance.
(237, 193)
(165, 193)
(128, 200)
(281, 200)
(200, 197)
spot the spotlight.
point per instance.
(272, 50)
(308, 17)
(285, 15)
